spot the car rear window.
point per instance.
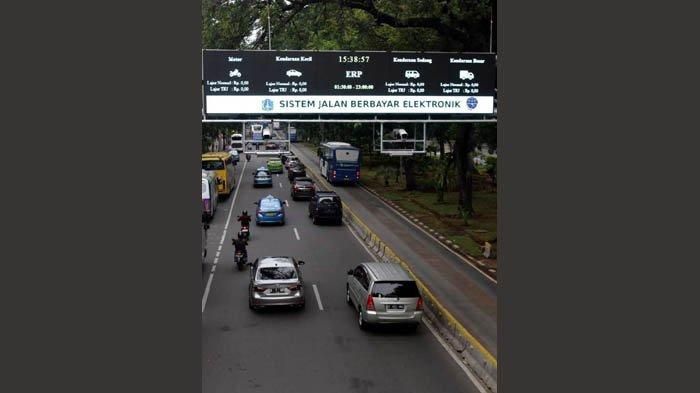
(277, 273)
(263, 173)
(329, 200)
(270, 204)
(303, 183)
(395, 289)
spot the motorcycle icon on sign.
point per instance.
(235, 73)
(465, 74)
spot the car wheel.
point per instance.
(314, 219)
(360, 321)
(250, 304)
(347, 295)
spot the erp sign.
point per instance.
(313, 82)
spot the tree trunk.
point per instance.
(463, 146)
(409, 170)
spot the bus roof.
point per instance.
(334, 145)
(215, 155)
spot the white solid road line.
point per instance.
(280, 185)
(454, 357)
(318, 298)
(221, 242)
(296, 234)
(286, 203)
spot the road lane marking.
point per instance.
(371, 254)
(318, 298)
(454, 357)
(220, 245)
(221, 242)
(286, 203)
(296, 234)
(280, 185)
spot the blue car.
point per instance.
(262, 177)
(270, 211)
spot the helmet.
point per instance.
(245, 212)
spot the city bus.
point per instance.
(222, 165)
(237, 142)
(257, 130)
(340, 162)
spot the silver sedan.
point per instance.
(276, 281)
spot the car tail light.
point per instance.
(294, 287)
(259, 289)
(357, 175)
(206, 204)
(333, 173)
(370, 303)
(419, 304)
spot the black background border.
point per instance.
(103, 294)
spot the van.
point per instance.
(383, 293)
(210, 195)
(222, 164)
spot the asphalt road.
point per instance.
(463, 290)
(311, 350)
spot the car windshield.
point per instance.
(395, 289)
(212, 165)
(277, 273)
(262, 174)
(303, 183)
(269, 205)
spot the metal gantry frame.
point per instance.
(377, 135)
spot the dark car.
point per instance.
(291, 160)
(303, 187)
(296, 170)
(327, 206)
(271, 146)
(284, 156)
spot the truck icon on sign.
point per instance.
(465, 74)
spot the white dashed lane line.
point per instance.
(296, 234)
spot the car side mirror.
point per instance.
(206, 227)
(350, 272)
(301, 262)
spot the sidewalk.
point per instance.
(464, 290)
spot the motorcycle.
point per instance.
(247, 156)
(240, 260)
(244, 234)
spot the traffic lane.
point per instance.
(446, 275)
(316, 350)
(216, 228)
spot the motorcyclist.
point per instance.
(244, 219)
(247, 156)
(240, 246)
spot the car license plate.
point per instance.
(276, 290)
(271, 214)
(394, 306)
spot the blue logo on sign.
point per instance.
(267, 104)
(472, 102)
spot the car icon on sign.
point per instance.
(233, 73)
(412, 74)
(293, 73)
(465, 74)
